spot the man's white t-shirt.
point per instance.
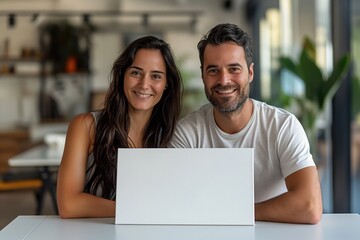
(279, 141)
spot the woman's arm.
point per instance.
(71, 199)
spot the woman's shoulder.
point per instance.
(82, 128)
(83, 119)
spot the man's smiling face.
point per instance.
(226, 76)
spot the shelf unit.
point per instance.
(59, 43)
(150, 21)
(49, 66)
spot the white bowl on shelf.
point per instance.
(55, 141)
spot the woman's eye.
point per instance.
(157, 76)
(135, 73)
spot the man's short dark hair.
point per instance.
(226, 32)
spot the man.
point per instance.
(287, 186)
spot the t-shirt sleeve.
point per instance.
(293, 147)
(189, 129)
(179, 138)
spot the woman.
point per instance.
(141, 108)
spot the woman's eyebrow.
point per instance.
(153, 71)
(138, 68)
(158, 71)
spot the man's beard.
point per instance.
(228, 104)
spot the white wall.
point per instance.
(106, 46)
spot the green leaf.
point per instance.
(309, 48)
(312, 76)
(287, 63)
(334, 80)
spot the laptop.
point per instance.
(185, 186)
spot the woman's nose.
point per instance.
(144, 82)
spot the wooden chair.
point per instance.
(12, 142)
(10, 182)
(30, 184)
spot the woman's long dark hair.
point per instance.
(113, 122)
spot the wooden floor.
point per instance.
(13, 204)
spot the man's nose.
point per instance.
(224, 77)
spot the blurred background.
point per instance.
(56, 57)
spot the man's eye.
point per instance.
(212, 71)
(234, 69)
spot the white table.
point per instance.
(42, 157)
(38, 156)
(331, 227)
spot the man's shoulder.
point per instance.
(270, 110)
(275, 117)
(192, 127)
(197, 115)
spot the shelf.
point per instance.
(20, 60)
(22, 67)
(38, 75)
(20, 75)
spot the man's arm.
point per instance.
(301, 204)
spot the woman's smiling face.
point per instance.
(145, 80)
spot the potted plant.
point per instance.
(319, 88)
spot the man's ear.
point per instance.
(202, 74)
(251, 72)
